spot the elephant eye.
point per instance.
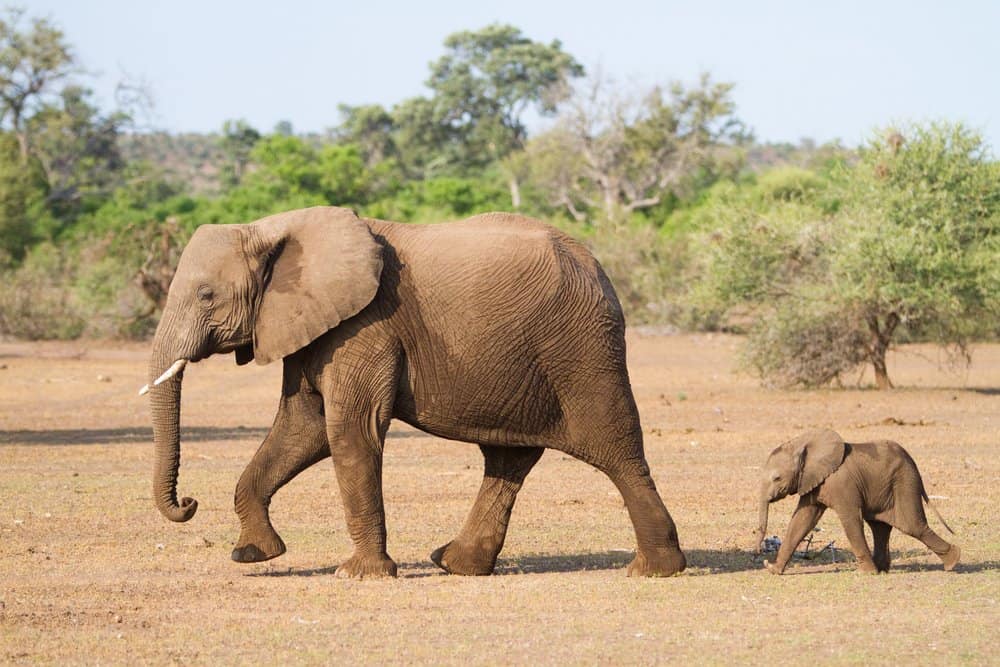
(205, 293)
(775, 478)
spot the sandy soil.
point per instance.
(91, 573)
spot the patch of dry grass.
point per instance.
(90, 573)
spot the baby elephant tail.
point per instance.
(936, 513)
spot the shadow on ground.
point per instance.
(112, 436)
(700, 562)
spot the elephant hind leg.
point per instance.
(658, 552)
(474, 551)
(297, 440)
(911, 519)
(948, 553)
(880, 551)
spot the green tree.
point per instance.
(237, 141)
(922, 218)
(481, 90)
(32, 60)
(620, 153)
(486, 82)
(22, 203)
(828, 274)
(77, 149)
(369, 127)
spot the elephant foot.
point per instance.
(455, 559)
(773, 568)
(867, 567)
(366, 567)
(258, 550)
(951, 557)
(657, 563)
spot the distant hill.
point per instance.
(196, 161)
(192, 159)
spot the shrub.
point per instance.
(35, 299)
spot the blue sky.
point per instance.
(802, 69)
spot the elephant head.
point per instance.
(798, 467)
(262, 290)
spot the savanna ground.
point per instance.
(91, 573)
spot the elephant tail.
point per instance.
(936, 513)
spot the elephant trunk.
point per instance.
(761, 532)
(165, 406)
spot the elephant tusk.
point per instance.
(174, 369)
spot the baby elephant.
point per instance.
(874, 481)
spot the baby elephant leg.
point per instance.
(850, 519)
(910, 519)
(805, 518)
(948, 553)
(880, 552)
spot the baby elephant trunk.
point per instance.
(761, 531)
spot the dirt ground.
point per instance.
(91, 573)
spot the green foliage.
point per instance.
(828, 274)
(923, 217)
(22, 204)
(480, 91)
(77, 150)
(611, 154)
(237, 141)
(35, 299)
(645, 267)
(440, 198)
(32, 60)
(488, 79)
(807, 345)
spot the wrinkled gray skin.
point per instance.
(874, 482)
(496, 330)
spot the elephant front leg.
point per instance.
(804, 519)
(474, 551)
(296, 441)
(358, 463)
(850, 519)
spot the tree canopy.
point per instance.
(832, 271)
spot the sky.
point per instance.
(822, 70)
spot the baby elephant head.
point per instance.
(798, 467)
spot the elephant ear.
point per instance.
(318, 267)
(822, 452)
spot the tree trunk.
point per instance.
(881, 339)
(882, 380)
(515, 193)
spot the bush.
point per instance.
(35, 299)
(795, 347)
(645, 267)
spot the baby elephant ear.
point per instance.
(319, 266)
(823, 453)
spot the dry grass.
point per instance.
(90, 573)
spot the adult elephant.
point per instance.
(496, 330)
